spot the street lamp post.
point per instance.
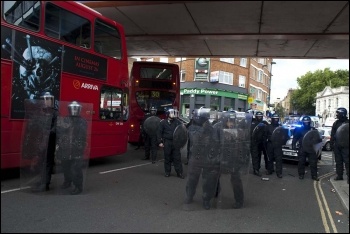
(269, 100)
(272, 63)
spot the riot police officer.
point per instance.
(188, 139)
(165, 135)
(70, 147)
(274, 151)
(231, 160)
(298, 135)
(204, 157)
(151, 146)
(257, 142)
(341, 153)
(47, 161)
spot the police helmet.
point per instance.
(306, 121)
(259, 115)
(275, 118)
(201, 115)
(172, 113)
(74, 108)
(48, 99)
(341, 113)
(153, 110)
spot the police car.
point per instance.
(292, 155)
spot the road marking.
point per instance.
(14, 190)
(120, 169)
(322, 201)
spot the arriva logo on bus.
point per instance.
(76, 84)
(200, 91)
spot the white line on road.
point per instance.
(120, 169)
(14, 190)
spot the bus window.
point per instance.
(107, 40)
(25, 14)
(110, 107)
(156, 73)
(66, 26)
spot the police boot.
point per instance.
(237, 205)
(76, 191)
(41, 188)
(206, 205)
(65, 185)
(256, 172)
(268, 172)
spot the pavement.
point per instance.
(342, 189)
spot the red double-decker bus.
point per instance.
(74, 53)
(152, 84)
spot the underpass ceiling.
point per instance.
(278, 29)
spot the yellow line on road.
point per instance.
(322, 201)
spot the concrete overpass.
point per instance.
(277, 29)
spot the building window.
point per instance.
(183, 76)
(226, 77)
(228, 60)
(260, 75)
(241, 81)
(259, 96)
(262, 61)
(243, 62)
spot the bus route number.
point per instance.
(155, 94)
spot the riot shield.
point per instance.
(279, 136)
(311, 141)
(73, 142)
(35, 139)
(234, 163)
(342, 135)
(258, 132)
(204, 163)
(151, 125)
(180, 136)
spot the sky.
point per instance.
(286, 71)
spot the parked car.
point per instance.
(292, 155)
(326, 137)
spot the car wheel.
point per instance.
(328, 146)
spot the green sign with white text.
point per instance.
(214, 93)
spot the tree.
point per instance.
(312, 83)
(280, 111)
